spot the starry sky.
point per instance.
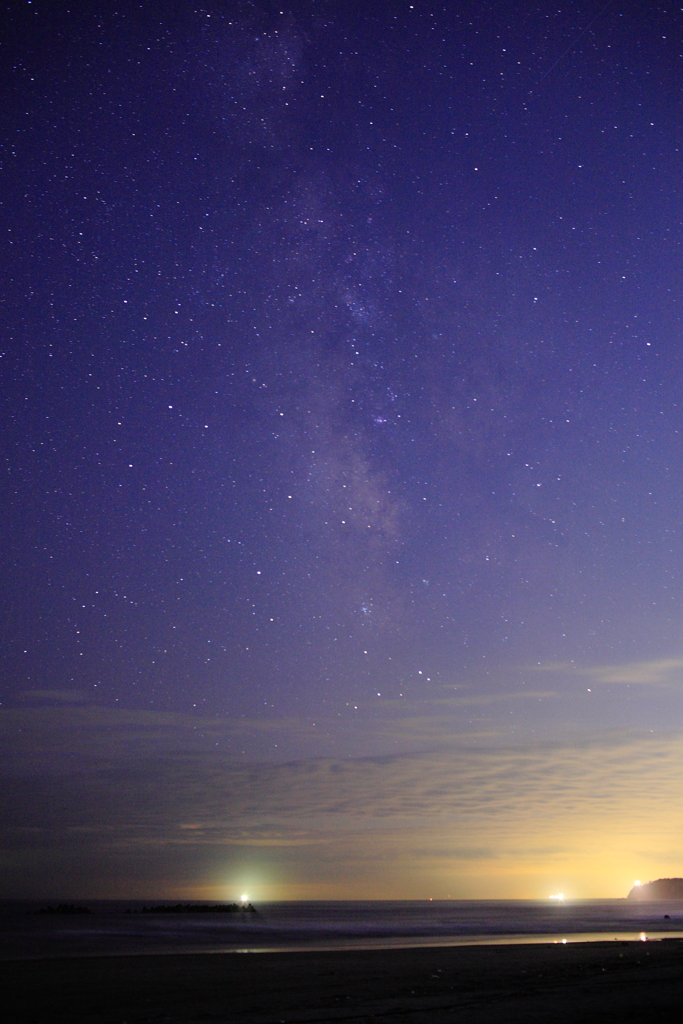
(341, 381)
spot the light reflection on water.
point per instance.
(472, 940)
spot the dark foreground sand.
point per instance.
(609, 981)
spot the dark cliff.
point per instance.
(661, 889)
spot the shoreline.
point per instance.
(369, 946)
(604, 980)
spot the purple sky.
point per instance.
(341, 523)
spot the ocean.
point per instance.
(116, 927)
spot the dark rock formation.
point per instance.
(661, 889)
(64, 908)
(197, 908)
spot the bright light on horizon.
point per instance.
(637, 883)
(557, 896)
(244, 898)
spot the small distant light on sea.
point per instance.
(557, 896)
(643, 937)
(244, 897)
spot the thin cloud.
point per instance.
(660, 671)
(451, 813)
(486, 699)
(655, 672)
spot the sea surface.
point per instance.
(117, 928)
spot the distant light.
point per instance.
(643, 937)
(244, 898)
(637, 883)
(557, 896)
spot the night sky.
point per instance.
(342, 376)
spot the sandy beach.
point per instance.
(605, 981)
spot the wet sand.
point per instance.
(592, 982)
